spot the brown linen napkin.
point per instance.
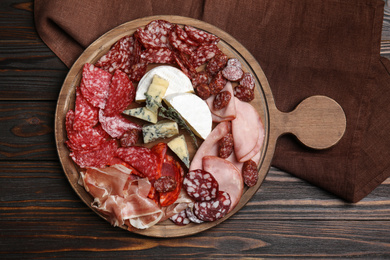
(305, 47)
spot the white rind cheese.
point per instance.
(179, 147)
(178, 81)
(142, 113)
(163, 129)
(193, 110)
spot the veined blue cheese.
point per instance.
(142, 113)
(179, 146)
(163, 129)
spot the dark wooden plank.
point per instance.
(27, 131)
(40, 210)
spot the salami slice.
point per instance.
(95, 85)
(199, 35)
(200, 185)
(130, 138)
(116, 125)
(137, 71)
(203, 54)
(191, 216)
(119, 55)
(141, 158)
(83, 140)
(122, 93)
(232, 73)
(86, 115)
(201, 77)
(180, 218)
(249, 173)
(214, 209)
(155, 34)
(178, 43)
(234, 62)
(217, 83)
(244, 93)
(217, 63)
(185, 65)
(95, 158)
(157, 55)
(248, 81)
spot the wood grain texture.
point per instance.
(42, 217)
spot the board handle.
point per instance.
(318, 122)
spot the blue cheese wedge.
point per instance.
(155, 92)
(179, 146)
(163, 129)
(142, 113)
(193, 110)
(178, 81)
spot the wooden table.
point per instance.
(42, 217)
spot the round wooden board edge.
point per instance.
(95, 51)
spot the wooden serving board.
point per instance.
(318, 122)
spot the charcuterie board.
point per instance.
(318, 122)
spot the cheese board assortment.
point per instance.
(163, 126)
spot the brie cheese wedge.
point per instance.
(178, 81)
(193, 110)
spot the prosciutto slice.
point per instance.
(121, 196)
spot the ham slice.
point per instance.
(247, 130)
(209, 145)
(228, 176)
(227, 113)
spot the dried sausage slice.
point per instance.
(200, 185)
(214, 209)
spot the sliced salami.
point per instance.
(157, 55)
(165, 184)
(180, 218)
(116, 125)
(178, 43)
(217, 63)
(191, 216)
(142, 159)
(249, 173)
(225, 146)
(199, 35)
(122, 93)
(214, 209)
(232, 73)
(203, 54)
(185, 65)
(203, 91)
(119, 56)
(95, 158)
(248, 81)
(86, 115)
(221, 100)
(234, 62)
(217, 83)
(130, 138)
(137, 71)
(95, 85)
(244, 93)
(155, 34)
(201, 77)
(200, 185)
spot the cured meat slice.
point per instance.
(247, 129)
(227, 113)
(248, 81)
(142, 159)
(199, 35)
(217, 63)
(130, 138)
(203, 54)
(173, 169)
(137, 71)
(244, 93)
(209, 146)
(249, 173)
(180, 218)
(122, 93)
(214, 209)
(234, 62)
(232, 73)
(185, 65)
(95, 84)
(218, 82)
(200, 185)
(182, 34)
(155, 34)
(181, 203)
(95, 158)
(119, 55)
(157, 55)
(227, 175)
(191, 216)
(178, 43)
(116, 125)
(201, 77)
(221, 100)
(86, 115)
(225, 146)
(83, 140)
(203, 91)
(165, 184)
